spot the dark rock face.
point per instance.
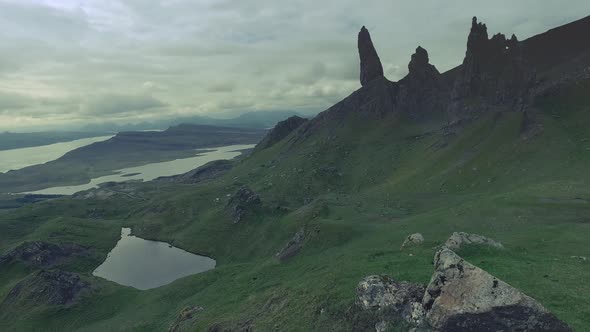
(371, 67)
(494, 75)
(293, 247)
(209, 171)
(42, 254)
(422, 93)
(462, 297)
(280, 131)
(243, 201)
(54, 287)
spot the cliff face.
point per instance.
(494, 75)
(498, 74)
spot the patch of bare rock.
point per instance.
(242, 202)
(54, 287)
(413, 240)
(459, 297)
(43, 254)
(460, 239)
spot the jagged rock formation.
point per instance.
(209, 171)
(243, 201)
(54, 287)
(280, 131)
(43, 254)
(422, 93)
(494, 75)
(459, 297)
(460, 239)
(371, 67)
(462, 297)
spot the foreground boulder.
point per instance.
(412, 240)
(389, 300)
(459, 297)
(243, 201)
(54, 287)
(43, 254)
(460, 239)
(463, 297)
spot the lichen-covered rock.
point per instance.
(412, 240)
(241, 202)
(54, 287)
(293, 247)
(392, 300)
(459, 239)
(371, 67)
(463, 297)
(43, 254)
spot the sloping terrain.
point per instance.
(502, 153)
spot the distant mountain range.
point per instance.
(257, 119)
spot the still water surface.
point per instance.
(154, 170)
(20, 158)
(144, 264)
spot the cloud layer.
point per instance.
(65, 63)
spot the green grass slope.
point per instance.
(357, 187)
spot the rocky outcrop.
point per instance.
(292, 247)
(460, 239)
(422, 93)
(380, 292)
(413, 240)
(280, 131)
(43, 254)
(371, 67)
(242, 202)
(462, 297)
(54, 287)
(185, 319)
(209, 171)
(390, 301)
(459, 297)
(494, 75)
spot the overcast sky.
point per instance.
(64, 63)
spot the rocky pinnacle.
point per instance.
(371, 67)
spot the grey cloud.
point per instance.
(120, 104)
(76, 60)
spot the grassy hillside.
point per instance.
(357, 189)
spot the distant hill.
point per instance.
(10, 140)
(258, 119)
(126, 149)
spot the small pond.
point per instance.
(144, 264)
